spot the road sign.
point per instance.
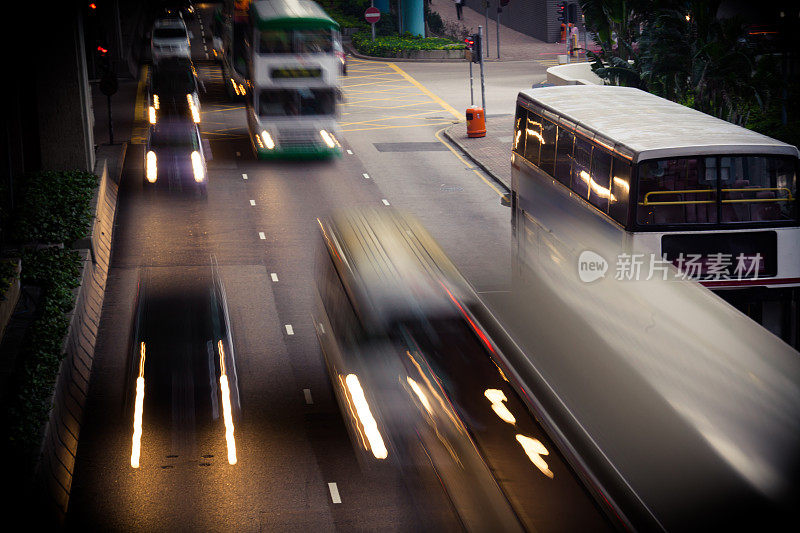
(372, 14)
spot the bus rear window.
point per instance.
(717, 189)
(676, 191)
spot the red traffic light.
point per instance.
(469, 42)
(92, 6)
(103, 51)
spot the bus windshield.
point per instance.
(717, 189)
(297, 102)
(296, 41)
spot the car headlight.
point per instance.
(193, 108)
(151, 113)
(151, 167)
(197, 167)
(267, 138)
(327, 138)
(156, 101)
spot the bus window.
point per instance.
(580, 180)
(620, 189)
(533, 141)
(599, 179)
(297, 102)
(566, 140)
(672, 191)
(757, 189)
(313, 41)
(275, 42)
(548, 153)
(519, 130)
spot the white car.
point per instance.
(170, 38)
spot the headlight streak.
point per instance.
(376, 443)
(497, 397)
(267, 138)
(227, 413)
(151, 114)
(197, 167)
(327, 138)
(151, 167)
(235, 87)
(138, 408)
(156, 101)
(534, 450)
(193, 108)
(420, 394)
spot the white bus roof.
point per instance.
(296, 11)
(650, 126)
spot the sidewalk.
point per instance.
(514, 46)
(491, 153)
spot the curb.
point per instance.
(463, 148)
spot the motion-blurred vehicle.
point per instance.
(181, 385)
(169, 38)
(173, 90)
(414, 368)
(338, 51)
(174, 156)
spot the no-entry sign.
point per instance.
(372, 14)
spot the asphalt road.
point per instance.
(296, 468)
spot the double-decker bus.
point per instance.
(596, 166)
(294, 79)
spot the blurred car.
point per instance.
(169, 38)
(181, 384)
(174, 155)
(173, 90)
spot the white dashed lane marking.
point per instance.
(335, 498)
(307, 394)
(244, 176)
(289, 329)
(385, 201)
(252, 202)
(274, 277)
(366, 176)
(261, 235)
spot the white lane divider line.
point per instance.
(385, 201)
(244, 176)
(289, 329)
(274, 277)
(262, 236)
(335, 498)
(349, 152)
(252, 202)
(366, 176)
(307, 394)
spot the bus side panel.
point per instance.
(564, 224)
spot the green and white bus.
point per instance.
(294, 76)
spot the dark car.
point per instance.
(173, 91)
(174, 156)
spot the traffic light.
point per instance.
(476, 47)
(562, 12)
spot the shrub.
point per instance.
(56, 207)
(57, 272)
(390, 46)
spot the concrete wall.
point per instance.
(537, 18)
(54, 471)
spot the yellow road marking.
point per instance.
(433, 97)
(390, 118)
(392, 127)
(388, 106)
(467, 163)
(382, 82)
(139, 132)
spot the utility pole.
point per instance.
(499, 10)
(486, 44)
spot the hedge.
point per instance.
(55, 207)
(389, 46)
(57, 271)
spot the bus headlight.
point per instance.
(197, 167)
(327, 138)
(193, 108)
(151, 167)
(156, 101)
(151, 113)
(267, 138)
